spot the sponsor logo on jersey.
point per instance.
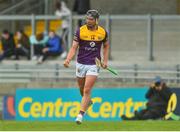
(92, 44)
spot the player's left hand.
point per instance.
(66, 63)
(104, 65)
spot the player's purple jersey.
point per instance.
(90, 43)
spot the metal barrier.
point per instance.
(54, 72)
(148, 28)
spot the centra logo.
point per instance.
(92, 44)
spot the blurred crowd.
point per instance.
(42, 45)
(19, 44)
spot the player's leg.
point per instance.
(81, 82)
(86, 99)
(90, 80)
(91, 73)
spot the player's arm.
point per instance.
(105, 54)
(71, 53)
(106, 51)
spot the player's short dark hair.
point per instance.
(93, 13)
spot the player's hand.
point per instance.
(104, 65)
(66, 63)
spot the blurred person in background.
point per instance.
(8, 45)
(23, 45)
(158, 96)
(63, 13)
(38, 41)
(88, 39)
(52, 48)
(81, 7)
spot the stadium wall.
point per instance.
(133, 6)
(10, 88)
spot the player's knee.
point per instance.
(86, 91)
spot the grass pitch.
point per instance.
(91, 126)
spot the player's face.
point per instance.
(90, 21)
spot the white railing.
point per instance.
(30, 73)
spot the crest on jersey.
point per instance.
(92, 44)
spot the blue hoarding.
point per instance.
(64, 104)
